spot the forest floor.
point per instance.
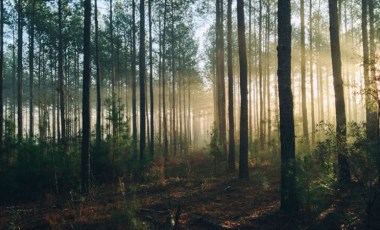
(199, 199)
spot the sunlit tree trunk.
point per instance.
(289, 198)
(341, 130)
(86, 116)
(305, 127)
(311, 72)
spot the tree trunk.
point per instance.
(98, 86)
(19, 71)
(31, 69)
(142, 80)
(311, 73)
(344, 172)
(231, 128)
(86, 116)
(305, 127)
(61, 74)
(243, 161)
(1, 72)
(289, 199)
(133, 63)
(151, 149)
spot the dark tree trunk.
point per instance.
(1, 72)
(19, 70)
(61, 74)
(98, 87)
(86, 117)
(151, 149)
(164, 116)
(340, 111)
(311, 74)
(289, 199)
(133, 63)
(31, 69)
(142, 80)
(243, 161)
(221, 98)
(231, 128)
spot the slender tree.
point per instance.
(19, 69)
(303, 76)
(61, 73)
(133, 63)
(243, 161)
(31, 69)
(86, 117)
(231, 128)
(340, 111)
(289, 199)
(142, 79)
(98, 91)
(151, 149)
(1, 72)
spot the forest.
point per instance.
(189, 114)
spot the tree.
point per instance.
(142, 79)
(133, 63)
(220, 85)
(98, 91)
(1, 72)
(31, 69)
(231, 128)
(243, 162)
(86, 117)
(19, 69)
(61, 73)
(303, 76)
(341, 130)
(151, 149)
(289, 199)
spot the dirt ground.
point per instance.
(199, 199)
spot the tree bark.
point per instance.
(86, 117)
(142, 80)
(243, 161)
(231, 128)
(289, 199)
(341, 130)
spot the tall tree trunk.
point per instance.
(174, 126)
(98, 86)
(142, 80)
(311, 73)
(61, 74)
(31, 69)
(86, 117)
(221, 102)
(305, 127)
(289, 198)
(164, 116)
(341, 130)
(19, 70)
(261, 97)
(133, 63)
(243, 161)
(231, 128)
(1, 72)
(151, 149)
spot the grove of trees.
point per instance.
(104, 92)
